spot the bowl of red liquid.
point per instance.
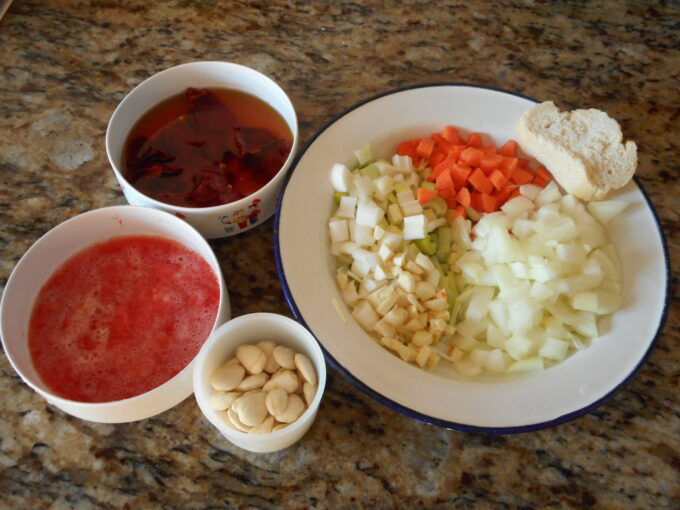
(105, 314)
(209, 142)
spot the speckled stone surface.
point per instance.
(64, 65)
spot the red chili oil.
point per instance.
(206, 147)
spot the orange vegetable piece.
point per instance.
(491, 162)
(459, 211)
(539, 181)
(472, 156)
(407, 148)
(498, 179)
(463, 197)
(501, 196)
(450, 134)
(523, 163)
(490, 150)
(478, 180)
(509, 149)
(425, 195)
(436, 158)
(444, 180)
(522, 176)
(456, 151)
(543, 173)
(487, 203)
(474, 140)
(447, 194)
(425, 147)
(460, 173)
(509, 164)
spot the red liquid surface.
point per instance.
(206, 147)
(122, 317)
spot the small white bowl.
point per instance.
(220, 220)
(54, 248)
(253, 328)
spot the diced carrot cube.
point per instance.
(425, 147)
(450, 134)
(444, 180)
(543, 173)
(490, 163)
(455, 151)
(436, 158)
(425, 195)
(522, 162)
(515, 193)
(451, 202)
(509, 149)
(474, 140)
(501, 196)
(509, 164)
(522, 176)
(487, 203)
(442, 144)
(478, 180)
(487, 187)
(447, 193)
(498, 179)
(472, 156)
(490, 150)
(539, 181)
(476, 201)
(463, 197)
(460, 173)
(407, 148)
(459, 211)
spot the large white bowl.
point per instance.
(512, 403)
(54, 248)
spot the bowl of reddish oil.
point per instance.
(209, 142)
(105, 314)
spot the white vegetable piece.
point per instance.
(607, 210)
(347, 207)
(339, 230)
(341, 177)
(368, 214)
(414, 227)
(402, 163)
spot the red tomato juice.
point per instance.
(122, 317)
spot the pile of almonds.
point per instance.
(262, 389)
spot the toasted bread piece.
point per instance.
(582, 149)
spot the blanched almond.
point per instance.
(285, 379)
(227, 377)
(267, 347)
(304, 365)
(253, 382)
(276, 401)
(251, 409)
(284, 356)
(252, 358)
(309, 391)
(293, 410)
(221, 400)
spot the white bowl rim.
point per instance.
(402, 408)
(54, 398)
(285, 167)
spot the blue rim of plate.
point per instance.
(462, 427)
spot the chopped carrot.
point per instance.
(487, 187)
(436, 158)
(501, 196)
(487, 203)
(451, 202)
(522, 162)
(476, 201)
(444, 165)
(407, 148)
(522, 176)
(460, 173)
(450, 134)
(539, 181)
(490, 150)
(444, 180)
(442, 143)
(447, 193)
(474, 140)
(509, 149)
(543, 173)
(498, 179)
(463, 197)
(425, 147)
(455, 151)
(459, 212)
(472, 156)
(490, 163)
(509, 164)
(515, 193)
(425, 195)
(478, 179)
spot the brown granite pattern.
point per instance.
(64, 65)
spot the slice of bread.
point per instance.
(583, 149)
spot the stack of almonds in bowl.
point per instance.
(264, 388)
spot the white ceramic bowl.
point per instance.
(220, 220)
(251, 329)
(47, 254)
(513, 403)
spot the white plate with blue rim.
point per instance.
(512, 403)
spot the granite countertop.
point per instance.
(64, 66)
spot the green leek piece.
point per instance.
(428, 185)
(426, 245)
(438, 205)
(338, 195)
(371, 171)
(364, 155)
(444, 237)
